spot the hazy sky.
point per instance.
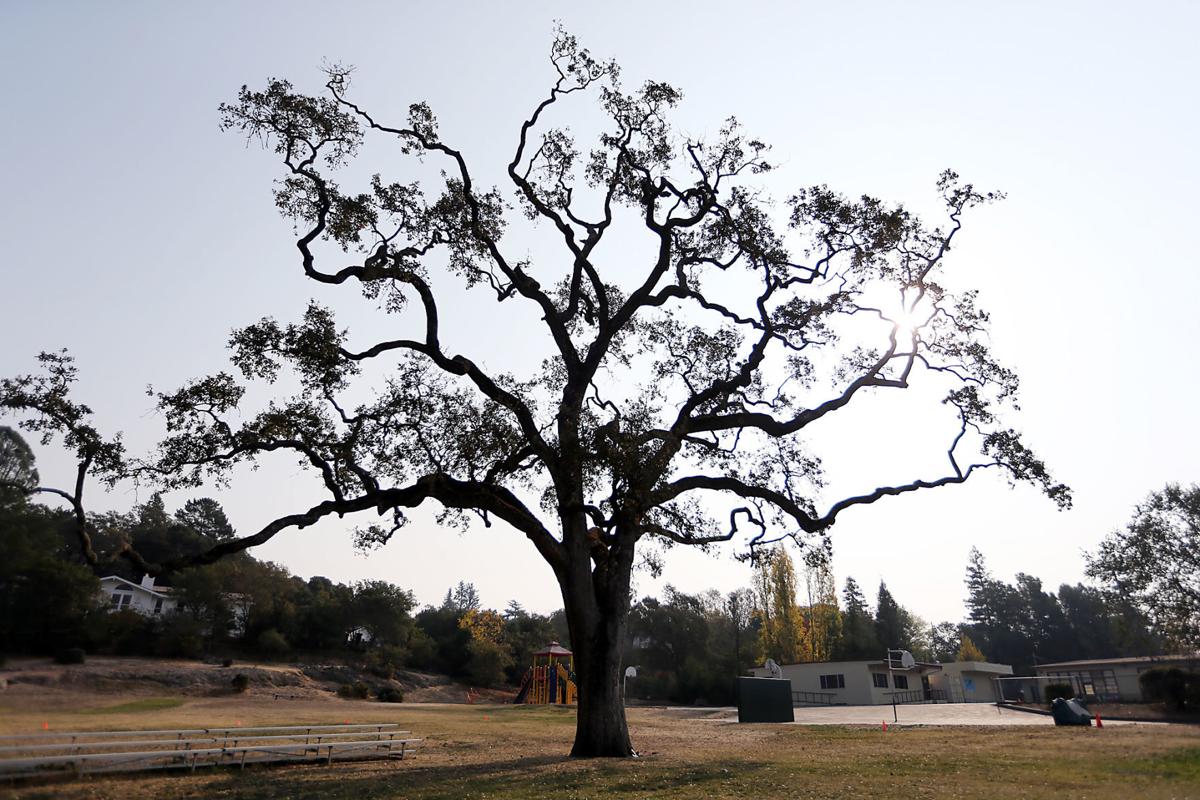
(135, 233)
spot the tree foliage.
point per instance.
(46, 602)
(967, 651)
(1155, 562)
(781, 626)
(688, 648)
(1023, 625)
(822, 618)
(205, 516)
(675, 399)
(859, 640)
(18, 475)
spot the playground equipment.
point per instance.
(551, 679)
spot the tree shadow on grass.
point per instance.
(518, 777)
(550, 776)
(533, 777)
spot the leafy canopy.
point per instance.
(678, 393)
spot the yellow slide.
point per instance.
(564, 679)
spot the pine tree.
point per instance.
(892, 623)
(858, 626)
(981, 591)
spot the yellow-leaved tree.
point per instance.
(967, 651)
(822, 618)
(489, 656)
(781, 626)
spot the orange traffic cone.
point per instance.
(1099, 722)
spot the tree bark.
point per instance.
(597, 606)
(600, 728)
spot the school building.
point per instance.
(878, 682)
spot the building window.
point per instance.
(1100, 683)
(880, 679)
(120, 600)
(158, 605)
(833, 681)
(900, 681)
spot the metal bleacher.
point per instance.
(800, 698)
(80, 752)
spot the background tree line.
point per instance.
(50, 598)
(687, 647)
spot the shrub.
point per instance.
(1180, 690)
(182, 636)
(383, 661)
(228, 662)
(487, 662)
(390, 694)
(272, 644)
(354, 691)
(70, 655)
(241, 682)
(1054, 690)
(124, 633)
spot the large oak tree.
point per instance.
(675, 395)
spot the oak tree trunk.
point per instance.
(600, 729)
(597, 606)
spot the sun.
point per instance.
(909, 319)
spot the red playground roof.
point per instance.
(555, 649)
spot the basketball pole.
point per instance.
(892, 682)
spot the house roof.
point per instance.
(1092, 662)
(879, 663)
(979, 666)
(156, 592)
(896, 666)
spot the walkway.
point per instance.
(924, 714)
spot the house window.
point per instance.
(880, 679)
(120, 600)
(158, 605)
(833, 681)
(901, 681)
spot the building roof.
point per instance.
(1093, 662)
(979, 666)
(879, 663)
(555, 649)
(157, 591)
(896, 666)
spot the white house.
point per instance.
(144, 598)
(863, 683)
(360, 636)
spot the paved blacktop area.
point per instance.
(920, 714)
(923, 714)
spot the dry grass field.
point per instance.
(493, 751)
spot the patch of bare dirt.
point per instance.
(150, 676)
